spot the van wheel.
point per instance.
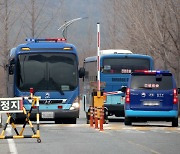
(127, 121)
(175, 122)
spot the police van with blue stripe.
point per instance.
(151, 95)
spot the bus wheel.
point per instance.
(87, 121)
(58, 121)
(19, 121)
(73, 121)
(69, 121)
(87, 117)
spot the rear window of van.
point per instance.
(143, 81)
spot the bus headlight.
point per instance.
(75, 104)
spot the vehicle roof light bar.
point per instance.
(151, 71)
(46, 40)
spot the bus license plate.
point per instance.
(47, 115)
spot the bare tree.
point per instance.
(35, 21)
(8, 20)
(158, 24)
(15, 26)
(112, 26)
(152, 27)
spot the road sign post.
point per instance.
(98, 98)
(0, 120)
(15, 105)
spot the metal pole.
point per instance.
(66, 30)
(98, 57)
(67, 24)
(0, 120)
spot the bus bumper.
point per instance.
(58, 114)
(115, 109)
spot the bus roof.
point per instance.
(115, 51)
(44, 44)
(47, 43)
(94, 58)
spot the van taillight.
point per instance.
(175, 96)
(127, 100)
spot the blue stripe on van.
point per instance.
(132, 113)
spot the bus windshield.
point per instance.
(124, 65)
(47, 71)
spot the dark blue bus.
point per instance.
(50, 67)
(116, 67)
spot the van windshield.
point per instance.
(151, 82)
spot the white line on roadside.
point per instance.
(12, 146)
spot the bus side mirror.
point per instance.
(11, 67)
(123, 89)
(81, 72)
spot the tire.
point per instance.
(66, 121)
(73, 121)
(18, 121)
(87, 121)
(88, 117)
(175, 122)
(58, 121)
(69, 121)
(127, 121)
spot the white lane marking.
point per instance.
(148, 149)
(12, 146)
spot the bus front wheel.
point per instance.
(66, 121)
(72, 121)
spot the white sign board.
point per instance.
(11, 105)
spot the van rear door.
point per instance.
(151, 92)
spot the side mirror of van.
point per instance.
(81, 72)
(123, 89)
(11, 67)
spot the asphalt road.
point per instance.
(80, 138)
